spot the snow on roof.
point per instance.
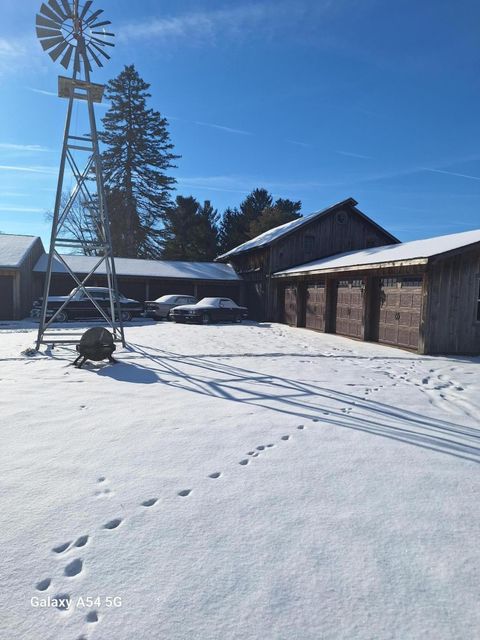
(277, 232)
(415, 250)
(13, 249)
(147, 268)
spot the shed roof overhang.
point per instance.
(360, 268)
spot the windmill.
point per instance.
(75, 35)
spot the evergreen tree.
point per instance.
(138, 153)
(282, 211)
(190, 231)
(256, 214)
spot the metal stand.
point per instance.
(99, 242)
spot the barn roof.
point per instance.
(272, 235)
(414, 252)
(144, 268)
(14, 249)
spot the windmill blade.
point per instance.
(94, 56)
(51, 42)
(56, 7)
(99, 24)
(67, 7)
(47, 33)
(86, 7)
(103, 42)
(105, 55)
(94, 16)
(65, 61)
(56, 53)
(104, 33)
(45, 22)
(50, 14)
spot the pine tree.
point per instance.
(190, 231)
(282, 211)
(256, 214)
(138, 153)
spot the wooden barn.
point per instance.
(422, 295)
(339, 228)
(145, 279)
(18, 255)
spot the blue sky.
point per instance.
(316, 100)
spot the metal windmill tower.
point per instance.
(77, 34)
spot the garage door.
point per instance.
(349, 311)
(6, 297)
(290, 308)
(400, 305)
(315, 307)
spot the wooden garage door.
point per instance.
(400, 305)
(350, 305)
(6, 298)
(290, 308)
(315, 307)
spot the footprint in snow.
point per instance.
(81, 541)
(150, 502)
(301, 427)
(73, 568)
(61, 547)
(184, 493)
(244, 462)
(63, 601)
(43, 584)
(112, 524)
(92, 616)
(101, 479)
(215, 475)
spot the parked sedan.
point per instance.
(80, 306)
(210, 310)
(160, 308)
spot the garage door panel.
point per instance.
(349, 313)
(399, 314)
(315, 307)
(6, 298)
(290, 306)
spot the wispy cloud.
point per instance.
(43, 92)
(451, 173)
(7, 146)
(299, 144)
(350, 154)
(21, 209)
(223, 128)
(29, 169)
(198, 27)
(18, 53)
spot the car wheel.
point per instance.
(206, 318)
(126, 316)
(238, 319)
(61, 317)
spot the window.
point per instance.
(414, 281)
(309, 243)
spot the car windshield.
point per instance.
(209, 302)
(100, 292)
(167, 299)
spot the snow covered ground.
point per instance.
(238, 482)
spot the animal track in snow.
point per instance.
(285, 438)
(301, 426)
(73, 568)
(215, 475)
(244, 462)
(62, 547)
(185, 492)
(81, 541)
(150, 502)
(112, 524)
(92, 616)
(63, 601)
(43, 584)
(101, 479)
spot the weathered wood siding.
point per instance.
(452, 324)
